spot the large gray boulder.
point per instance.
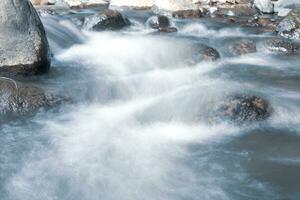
(265, 6)
(24, 47)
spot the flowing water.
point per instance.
(142, 125)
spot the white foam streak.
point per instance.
(200, 30)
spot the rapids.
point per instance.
(141, 122)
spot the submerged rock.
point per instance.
(246, 108)
(203, 53)
(267, 23)
(209, 54)
(285, 46)
(289, 27)
(244, 47)
(24, 47)
(168, 30)
(18, 98)
(111, 20)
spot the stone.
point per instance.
(284, 46)
(244, 47)
(209, 54)
(20, 98)
(283, 7)
(289, 27)
(24, 48)
(111, 20)
(265, 6)
(188, 14)
(168, 30)
(159, 21)
(246, 109)
(202, 53)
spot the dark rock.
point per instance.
(168, 30)
(246, 108)
(209, 54)
(289, 27)
(157, 22)
(18, 98)
(244, 47)
(188, 14)
(284, 46)
(163, 21)
(24, 47)
(111, 20)
(202, 53)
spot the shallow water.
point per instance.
(141, 124)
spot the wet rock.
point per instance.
(209, 54)
(246, 108)
(168, 30)
(244, 47)
(24, 47)
(157, 22)
(265, 6)
(285, 46)
(18, 98)
(161, 23)
(289, 27)
(267, 23)
(111, 20)
(188, 14)
(203, 53)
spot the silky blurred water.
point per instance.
(142, 125)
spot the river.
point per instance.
(141, 124)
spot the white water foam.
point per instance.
(134, 146)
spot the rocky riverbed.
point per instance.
(149, 100)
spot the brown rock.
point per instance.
(19, 98)
(247, 108)
(188, 14)
(244, 47)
